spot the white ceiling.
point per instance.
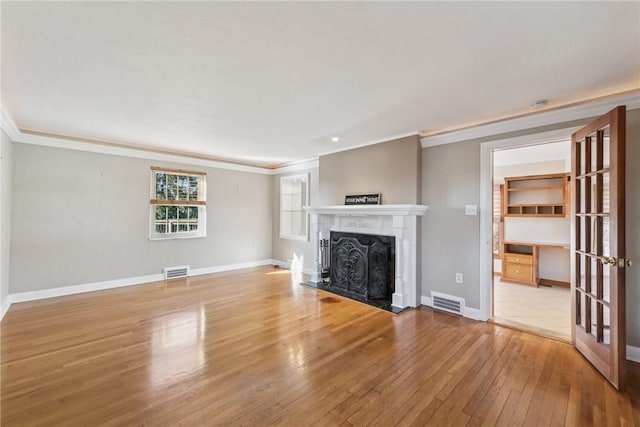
(269, 83)
(560, 150)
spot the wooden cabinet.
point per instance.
(536, 195)
(520, 263)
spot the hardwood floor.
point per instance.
(253, 348)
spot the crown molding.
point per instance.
(297, 166)
(551, 116)
(118, 149)
(8, 125)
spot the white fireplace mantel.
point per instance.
(399, 221)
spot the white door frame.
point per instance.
(486, 205)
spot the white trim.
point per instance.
(129, 281)
(357, 210)
(468, 312)
(8, 125)
(68, 144)
(543, 118)
(471, 313)
(281, 264)
(285, 264)
(297, 166)
(633, 353)
(87, 287)
(486, 206)
(229, 267)
(4, 307)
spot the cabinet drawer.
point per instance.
(518, 259)
(518, 272)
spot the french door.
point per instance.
(598, 286)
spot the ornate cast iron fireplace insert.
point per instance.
(363, 265)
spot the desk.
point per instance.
(520, 262)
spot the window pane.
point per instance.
(193, 188)
(285, 223)
(172, 212)
(161, 185)
(193, 212)
(285, 203)
(171, 187)
(161, 213)
(182, 212)
(183, 187)
(296, 202)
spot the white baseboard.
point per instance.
(86, 287)
(283, 264)
(468, 312)
(229, 267)
(286, 264)
(4, 307)
(633, 353)
(118, 283)
(471, 313)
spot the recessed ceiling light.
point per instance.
(539, 104)
(335, 138)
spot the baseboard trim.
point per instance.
(551, 282)
(4, 307)
(86, 287)
(119, 283)
(286, 264)
(468, 312)
(229, 267)
(633, 353)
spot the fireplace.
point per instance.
(398, 222)
(363, 265)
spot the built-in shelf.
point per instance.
(536, 195)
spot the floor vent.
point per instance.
(176, 272)
(447, 303)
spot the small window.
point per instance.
(294, 195)
(178, 204)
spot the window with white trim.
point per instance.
(178, 203)
(294, 195)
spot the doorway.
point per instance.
(531, 238)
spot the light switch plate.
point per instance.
(471, 209)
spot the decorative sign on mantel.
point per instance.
(362, 199)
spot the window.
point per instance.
(294, 194)
(178, 204)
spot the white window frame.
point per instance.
(200, 203)
(304, 201)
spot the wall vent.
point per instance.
(176, 272)
(447, 303)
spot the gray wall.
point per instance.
(450, 240)
(391, 168)
(5, 214)
(82, 217)
(283, 249)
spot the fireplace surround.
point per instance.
(397, 221)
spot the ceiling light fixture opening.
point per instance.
(539, 104)
(335, 138)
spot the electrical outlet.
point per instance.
(471, 210)
(458, 277)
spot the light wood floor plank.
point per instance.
(254, 348)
